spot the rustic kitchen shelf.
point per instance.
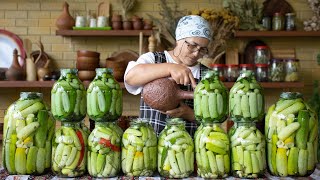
(49, 84)
(103, 32)
(240, 34)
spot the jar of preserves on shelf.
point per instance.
(262, 55)
(104, 146)
(220, 68)
(68, 97)
(266, 23)
(248, 155)
(27, 134)
(290, 21)
(292, 67)
(104, 97)
(139, 149)
(231, 72)
(212, 150)
(69, 150)
(276, 71)
(175, 150)
(262, 72)
(277, 22)
(246, 67)
(211, 99)
(291, 129)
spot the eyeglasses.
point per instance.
(194, 48)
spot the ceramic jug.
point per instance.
(15, 72)
(65, 20)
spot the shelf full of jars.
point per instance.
(33, 146)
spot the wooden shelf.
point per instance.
(103, 32)
(240, 34)
(49, 84)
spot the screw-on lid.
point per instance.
(217, 65)
(261, 47)
(232, 65)
(261, 65)
(246, 65)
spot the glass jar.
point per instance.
(139, 149)
(246, 67)
(27, 134)
(212, 151)
(232, 72)
(246, 99)
(68, 97)
(292, 67)
(220, 68)
(104, 145)
(175, 150)
(69, 150)
(290, 21)
(262, 72)
(278, 22)
(211, 99)
(248, 155)
(276, 71)
(266, 23)
(262, 55)
(104, 97)
(291, 128)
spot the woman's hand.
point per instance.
(183, 111)
(181, 74)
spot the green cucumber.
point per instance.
(41, 132)
(302, 133)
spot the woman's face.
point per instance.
(190, 49)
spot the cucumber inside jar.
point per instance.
(246, 99)
(211, 99)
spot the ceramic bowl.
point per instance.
(86, 75)
(87, 63)
(85, 53)
(118, 67)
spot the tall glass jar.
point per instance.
(247, 150)
(68, 97)
(212, 151)
(104, 145)
(104, 97)
(290, 21)
(292, 67)
(291, 129)
(232, 72)
(27, 134)
(211, 99)
(262, 72)
(69, 150)
(277, 22)
(139, 149)
(262, 55)
(219, 68)
(175, 150)
(276, 71)
(246, 99)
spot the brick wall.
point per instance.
(36, 20)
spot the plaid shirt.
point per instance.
(158, 119)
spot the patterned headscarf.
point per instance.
(193, 26)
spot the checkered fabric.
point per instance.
(158, 119)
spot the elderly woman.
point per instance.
(193, 35)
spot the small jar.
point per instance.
(231, 72)
(262, 55)
(246, 67)
(292, 70)
(276, 70)
(290, 21)
(80, 21)
(277, 22)
(266, 23)
(262, 72)
(220, 69)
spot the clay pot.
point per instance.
(116, 25)
(85, 53)
(65, 20)
(44, 71)
(147, 24)
(116, 17)
(127, 25)
(164, 94)
(15, 72)
(118, 67)
(86, 75)
(87, 63)
(138, 24)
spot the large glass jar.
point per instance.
(262, 55)
(212, 151)
(68, 97)
(276, 71)
(69, 150)
(246, 99)
(104, 97)
(219, 68)
(291, 129)
(27, 134)
(104, 158)
(262, 72)
(211, 99)
(175, 150)
(139, 149)
(247, 150)
(292, 67)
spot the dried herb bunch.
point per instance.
(167, 23)
(248, 11)
(223, 24)
(126, 7)
(313, 24)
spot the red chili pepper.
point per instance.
(107, 143)
(115, 148)
(79, 134)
